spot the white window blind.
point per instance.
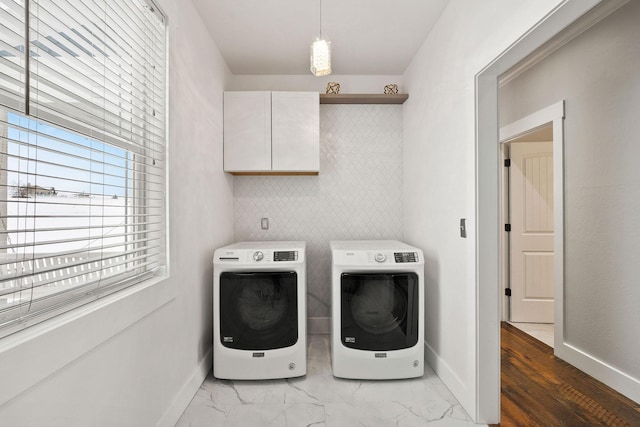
(12, 57)
(82, 153)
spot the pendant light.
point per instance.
(321, 53)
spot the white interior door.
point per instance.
(531, 245)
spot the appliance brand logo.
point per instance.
(227, 339)
(381, 355)
(351, 340)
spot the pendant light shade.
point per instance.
(321, 53)
(321, 57)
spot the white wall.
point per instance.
(597, 75)
(439, 174)
(95, 368)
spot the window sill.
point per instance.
(23, 361)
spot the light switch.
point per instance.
(264, 223)
(463, 227)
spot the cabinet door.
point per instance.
(295, 141)
(247, 131)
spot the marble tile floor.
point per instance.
(540, 331)
(319, 399)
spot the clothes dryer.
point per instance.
(377, 310)
(259, 308)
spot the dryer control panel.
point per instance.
(375, 254)
(376, 258)
(401, 257)
(385, 257)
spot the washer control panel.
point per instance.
(267, 255)
(272, 256)
(285, 256)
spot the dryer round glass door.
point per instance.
(258, 310)
(379, 312)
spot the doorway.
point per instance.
(532, 210)
(527, 190)
(488, 197)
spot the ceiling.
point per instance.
(368, 37)
(544, 133)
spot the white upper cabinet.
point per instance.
(295, 131)
(271, 132)
(247, 131)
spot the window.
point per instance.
(82, 153)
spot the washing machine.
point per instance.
(377, 297)
(259, 309)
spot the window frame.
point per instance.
(110, 305)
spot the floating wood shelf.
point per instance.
(262, 173)
(350, 98)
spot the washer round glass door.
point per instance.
(258, 310)
(379, 311)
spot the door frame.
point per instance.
(552, 115)
(487, 207)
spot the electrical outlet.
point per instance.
(264, 223)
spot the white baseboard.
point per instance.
(600, 370)
(186, 393)
(319, 325)
(456, 386)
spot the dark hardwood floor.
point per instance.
(539, 389)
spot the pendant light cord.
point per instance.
(320, 19)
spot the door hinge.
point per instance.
(507, 292)
(507, 227)
(507, 163)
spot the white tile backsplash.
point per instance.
(357, 195)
